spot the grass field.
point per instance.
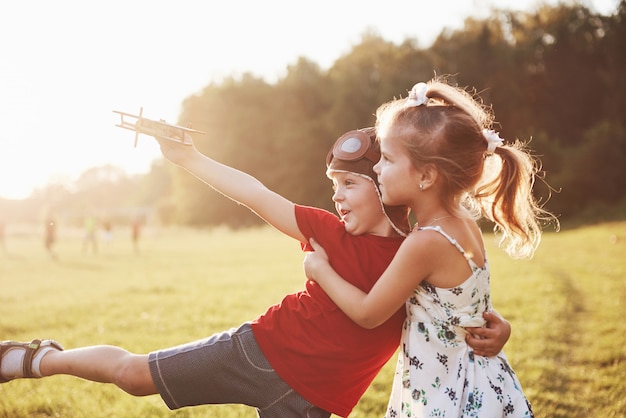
(566, 307)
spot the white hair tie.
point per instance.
(417, 95)
(493, 140)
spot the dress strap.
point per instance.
(452, 241)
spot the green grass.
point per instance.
(565, 305)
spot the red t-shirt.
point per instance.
(313, 346)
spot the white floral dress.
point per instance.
(438, 374)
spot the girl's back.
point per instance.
(437, 372)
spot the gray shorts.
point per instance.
(226, 368)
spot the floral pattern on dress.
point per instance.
(437, 374)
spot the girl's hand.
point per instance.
(490, 340)
(315, 261)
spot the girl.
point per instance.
(301, 358)
(440, 159)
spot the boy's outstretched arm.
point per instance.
(488, 341)
(234, 184)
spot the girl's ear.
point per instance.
(428, 176)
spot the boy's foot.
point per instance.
(19, 360)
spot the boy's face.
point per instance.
(358, 205)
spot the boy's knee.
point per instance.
(133, 376)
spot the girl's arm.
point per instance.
(354, 302)
(388, 294)
(236, 185)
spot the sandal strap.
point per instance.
(31, 349)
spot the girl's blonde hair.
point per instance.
(446, 130)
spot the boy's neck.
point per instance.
(386, 232)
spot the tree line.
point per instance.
(554, 76)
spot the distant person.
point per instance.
(301, 358)
(50, 236)
(3, 245)
(90, 240)
(107, 230)
(440, 158)
(136, 233)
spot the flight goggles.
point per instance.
(355, 145)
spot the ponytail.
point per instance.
(506, 198)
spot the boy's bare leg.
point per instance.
(104, 364)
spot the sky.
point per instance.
(65, 65)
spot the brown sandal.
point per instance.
(30, 349)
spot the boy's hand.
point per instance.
(488, 341)
(177, 152)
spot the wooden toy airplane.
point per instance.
(159, 128)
